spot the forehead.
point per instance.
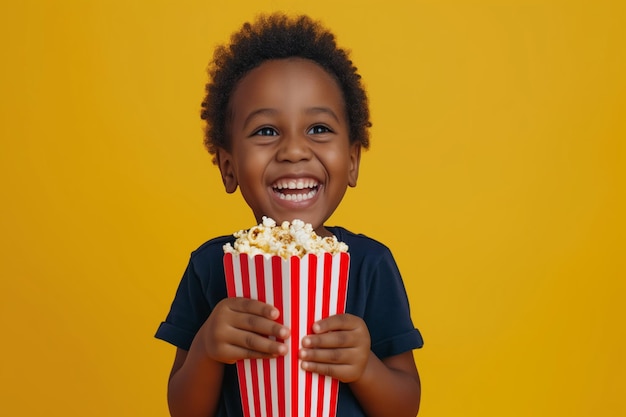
(292, 83)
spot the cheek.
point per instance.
(337, 161)
(251, 166)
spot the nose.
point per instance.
(293, 147)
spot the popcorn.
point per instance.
(289, 239)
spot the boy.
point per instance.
(286, 120)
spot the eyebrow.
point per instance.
(256, 113)
(325, 110)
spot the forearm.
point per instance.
(194, 389)
(386, 391)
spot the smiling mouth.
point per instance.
(296, 189)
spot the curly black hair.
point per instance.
(278, 36)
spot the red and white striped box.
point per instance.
(304, 290)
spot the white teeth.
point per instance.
(295, 184)
(298, 197)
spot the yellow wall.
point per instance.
(496, 175)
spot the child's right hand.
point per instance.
(238, 329)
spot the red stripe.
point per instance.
(309, 327)
(320, 394)
(268, 385)
(344, 264)
(260, 277)
(334, 388)
(255, 387)
(328, 265)
(245, 277)
(243, 389)
(230, 276)
(295, 330)
(312, 288)
(278, 303)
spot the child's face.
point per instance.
(290, 151)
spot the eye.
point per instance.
(266, 131)
(317, 129)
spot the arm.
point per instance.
(390, 387)
(236, 329)
(194, 386)
(340, 348)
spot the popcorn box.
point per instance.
(304, 290)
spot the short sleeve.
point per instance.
(188, 312)
(386, 311)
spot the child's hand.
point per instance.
(340, 348)
(238, 329)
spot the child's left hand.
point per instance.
(339, 347)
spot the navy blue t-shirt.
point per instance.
(375, 293)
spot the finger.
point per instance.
(337, 322)
(259, 325)
(259, 308)
(340, 372)
(238, 352)
(253, 346)
(329, 356)
(331, 340)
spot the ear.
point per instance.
(355, 160)
(225, 163)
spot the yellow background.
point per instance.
(496, 176)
